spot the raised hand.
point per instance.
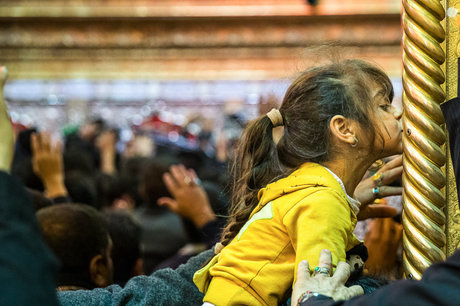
(189, 198)
(48, 165)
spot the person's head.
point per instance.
(82, 188)
(78, 236)
(126, 252)
(152, 185)
(90, 130)
(335, 111)
(122, 193)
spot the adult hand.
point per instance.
(382, 241)
(6, 130)
(323, 284)
(190, 199)
(48, 165)
(364, 191)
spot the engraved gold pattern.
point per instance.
(424, 154)
(452, 54)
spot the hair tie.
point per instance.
(275, 117)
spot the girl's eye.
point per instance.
(385, 107)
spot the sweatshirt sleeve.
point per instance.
(319, 221)
(163, 287)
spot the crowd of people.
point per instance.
(86, 224)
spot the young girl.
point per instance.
(291, 199)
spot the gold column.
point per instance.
(424, 137)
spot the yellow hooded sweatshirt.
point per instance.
(295, 219)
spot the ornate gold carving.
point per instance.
(424, 154)
(452, 54)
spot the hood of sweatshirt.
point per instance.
(307, 175)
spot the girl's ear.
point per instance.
(343, 130)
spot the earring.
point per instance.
(355, 142)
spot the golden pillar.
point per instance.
(424, 177)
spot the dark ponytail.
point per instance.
(255, 165)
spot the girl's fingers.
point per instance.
(391, 175)
(386, 191)
(396, 162)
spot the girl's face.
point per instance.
(388, 126)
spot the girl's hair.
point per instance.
(317, 95)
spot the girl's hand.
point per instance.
(365, 194)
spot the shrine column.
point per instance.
(431, 217)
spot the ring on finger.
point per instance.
(187, 180)
(376, 192)
(322, 270)
(378, 178)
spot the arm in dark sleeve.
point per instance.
(27, 267)
(163, 287)
(438, 286)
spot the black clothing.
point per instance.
(27, 267)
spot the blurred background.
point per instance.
(184, 72)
